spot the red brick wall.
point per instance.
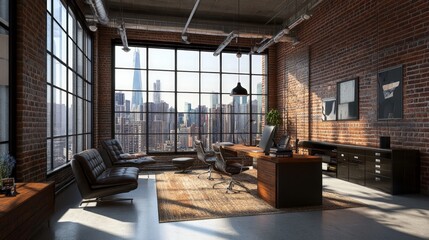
(30, 132)
(357, 39)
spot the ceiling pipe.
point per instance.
(184, 36)
(225, 43)
(212, 28)
(99, 11)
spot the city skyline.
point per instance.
(159, 118)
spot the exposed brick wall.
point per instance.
(30, 93)
(357, 39)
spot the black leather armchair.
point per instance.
(96, 181)
(115, 156)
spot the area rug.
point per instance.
(183, 197)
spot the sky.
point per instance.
(162, 61)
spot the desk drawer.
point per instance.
(379, 182)
(385, 162)
(380, 154)
(379, 169)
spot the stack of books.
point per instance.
(281, 152)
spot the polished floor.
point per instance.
(385, 217)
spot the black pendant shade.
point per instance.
(239, 91)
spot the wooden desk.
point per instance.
(22, 215)
(288, 181)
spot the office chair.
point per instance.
(208, 158)
(229, 169)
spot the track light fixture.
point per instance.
(122, 32)
(281, 34)
(185, 39)
(225, 43)
(265, 45)
(299, 20)
(93, 26)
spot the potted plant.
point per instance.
(7, 163)
(273, 117)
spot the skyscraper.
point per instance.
(119, 98)
(214, 100)
(156, 94)
(137, 97)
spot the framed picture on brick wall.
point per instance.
(348, 100)
(329, 109)
(390, 93)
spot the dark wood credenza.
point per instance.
(21, 216)
(395, 171)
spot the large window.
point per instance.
(4, 76)
(167, 97)
(69, 88)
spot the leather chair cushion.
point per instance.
(92, 164)
(235, 168)
(117, 176)
(113, 148)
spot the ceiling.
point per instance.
(212, 17)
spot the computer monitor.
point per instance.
(267, 139)
(284, 142)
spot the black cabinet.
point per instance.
(353, 165)
(342, 166)
(395, 171)
(357, 169)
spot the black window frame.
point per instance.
(250, 134)
(84, 75)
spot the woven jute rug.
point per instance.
(184, 197)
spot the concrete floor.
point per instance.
(385, 217)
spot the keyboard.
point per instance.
(257, 150)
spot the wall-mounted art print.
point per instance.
(329, 109)
(390, 93)
(348, 100)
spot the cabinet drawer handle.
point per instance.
(377, 154)
(377, 179)
(377, 171)
(355, 157)
(377, 166)
(377, 160)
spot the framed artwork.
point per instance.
(348, 95)
(390, 93)
(329, 109)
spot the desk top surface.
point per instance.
(255, 152)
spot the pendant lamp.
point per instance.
(238, 90)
